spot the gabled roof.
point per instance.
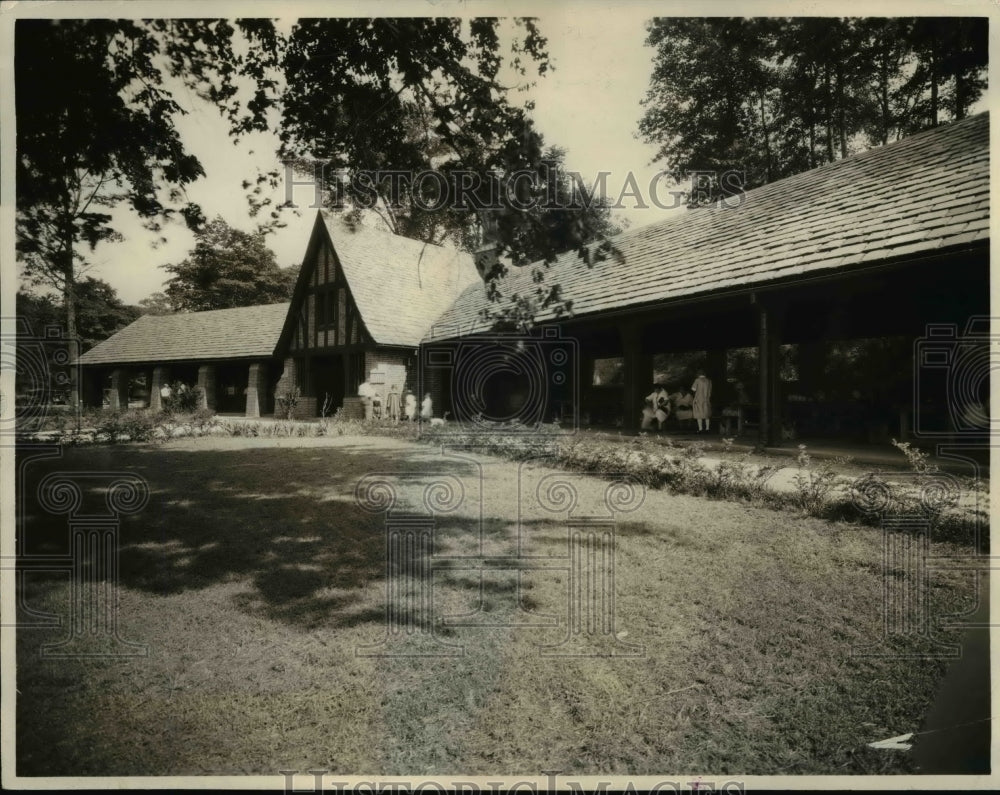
(400, 286)
(245, 332)
(922, 194)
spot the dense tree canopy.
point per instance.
(772, 97)
(100, 312)
(43, 373)
(155, 304)
(228, 268)
(95, 128)
(426, 97)
(98, 101)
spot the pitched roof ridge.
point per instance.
(399, 284)
(353, 229)
(924, 192)
(833, 164)
(185, 313)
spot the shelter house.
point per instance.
(886, 252)
(363, 300)
(773, 295)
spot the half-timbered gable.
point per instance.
(363, 301)
(328, 316)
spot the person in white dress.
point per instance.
(701, 406)
(392, 404)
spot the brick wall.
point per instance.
(306, 409)
(285, 383)
(353, 409)
(287, 380)
(387, 368)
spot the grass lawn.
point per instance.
(254, 578)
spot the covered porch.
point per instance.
(243, 388)
(859, 357)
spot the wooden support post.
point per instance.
(770, 365)
(908, 400)
(638, 375)
(774, 380)
(715, 369)
(763, 376)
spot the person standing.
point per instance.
(701, 406)
(410, 406)
(427, 407)
(366, 391)
(392, 404)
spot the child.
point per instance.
(426, 408)
(410, 406)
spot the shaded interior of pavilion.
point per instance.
(227, 385)
(847, 362)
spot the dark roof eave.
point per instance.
(769, 285)
(253, 357)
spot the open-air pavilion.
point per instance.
(848, 302)
(884, 254)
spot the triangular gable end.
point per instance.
(323, 312)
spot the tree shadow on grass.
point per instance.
(284, 519)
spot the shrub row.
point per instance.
(817, 488)
(135, 425)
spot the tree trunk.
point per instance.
(841, 116)
(69, 303)
(934, 83)
(884, 80)
(828, 111)
(767, 139)
(812, 117)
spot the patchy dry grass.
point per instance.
(254, 578)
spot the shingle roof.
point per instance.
(926, 192)
(401, 286)
(246, 332)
